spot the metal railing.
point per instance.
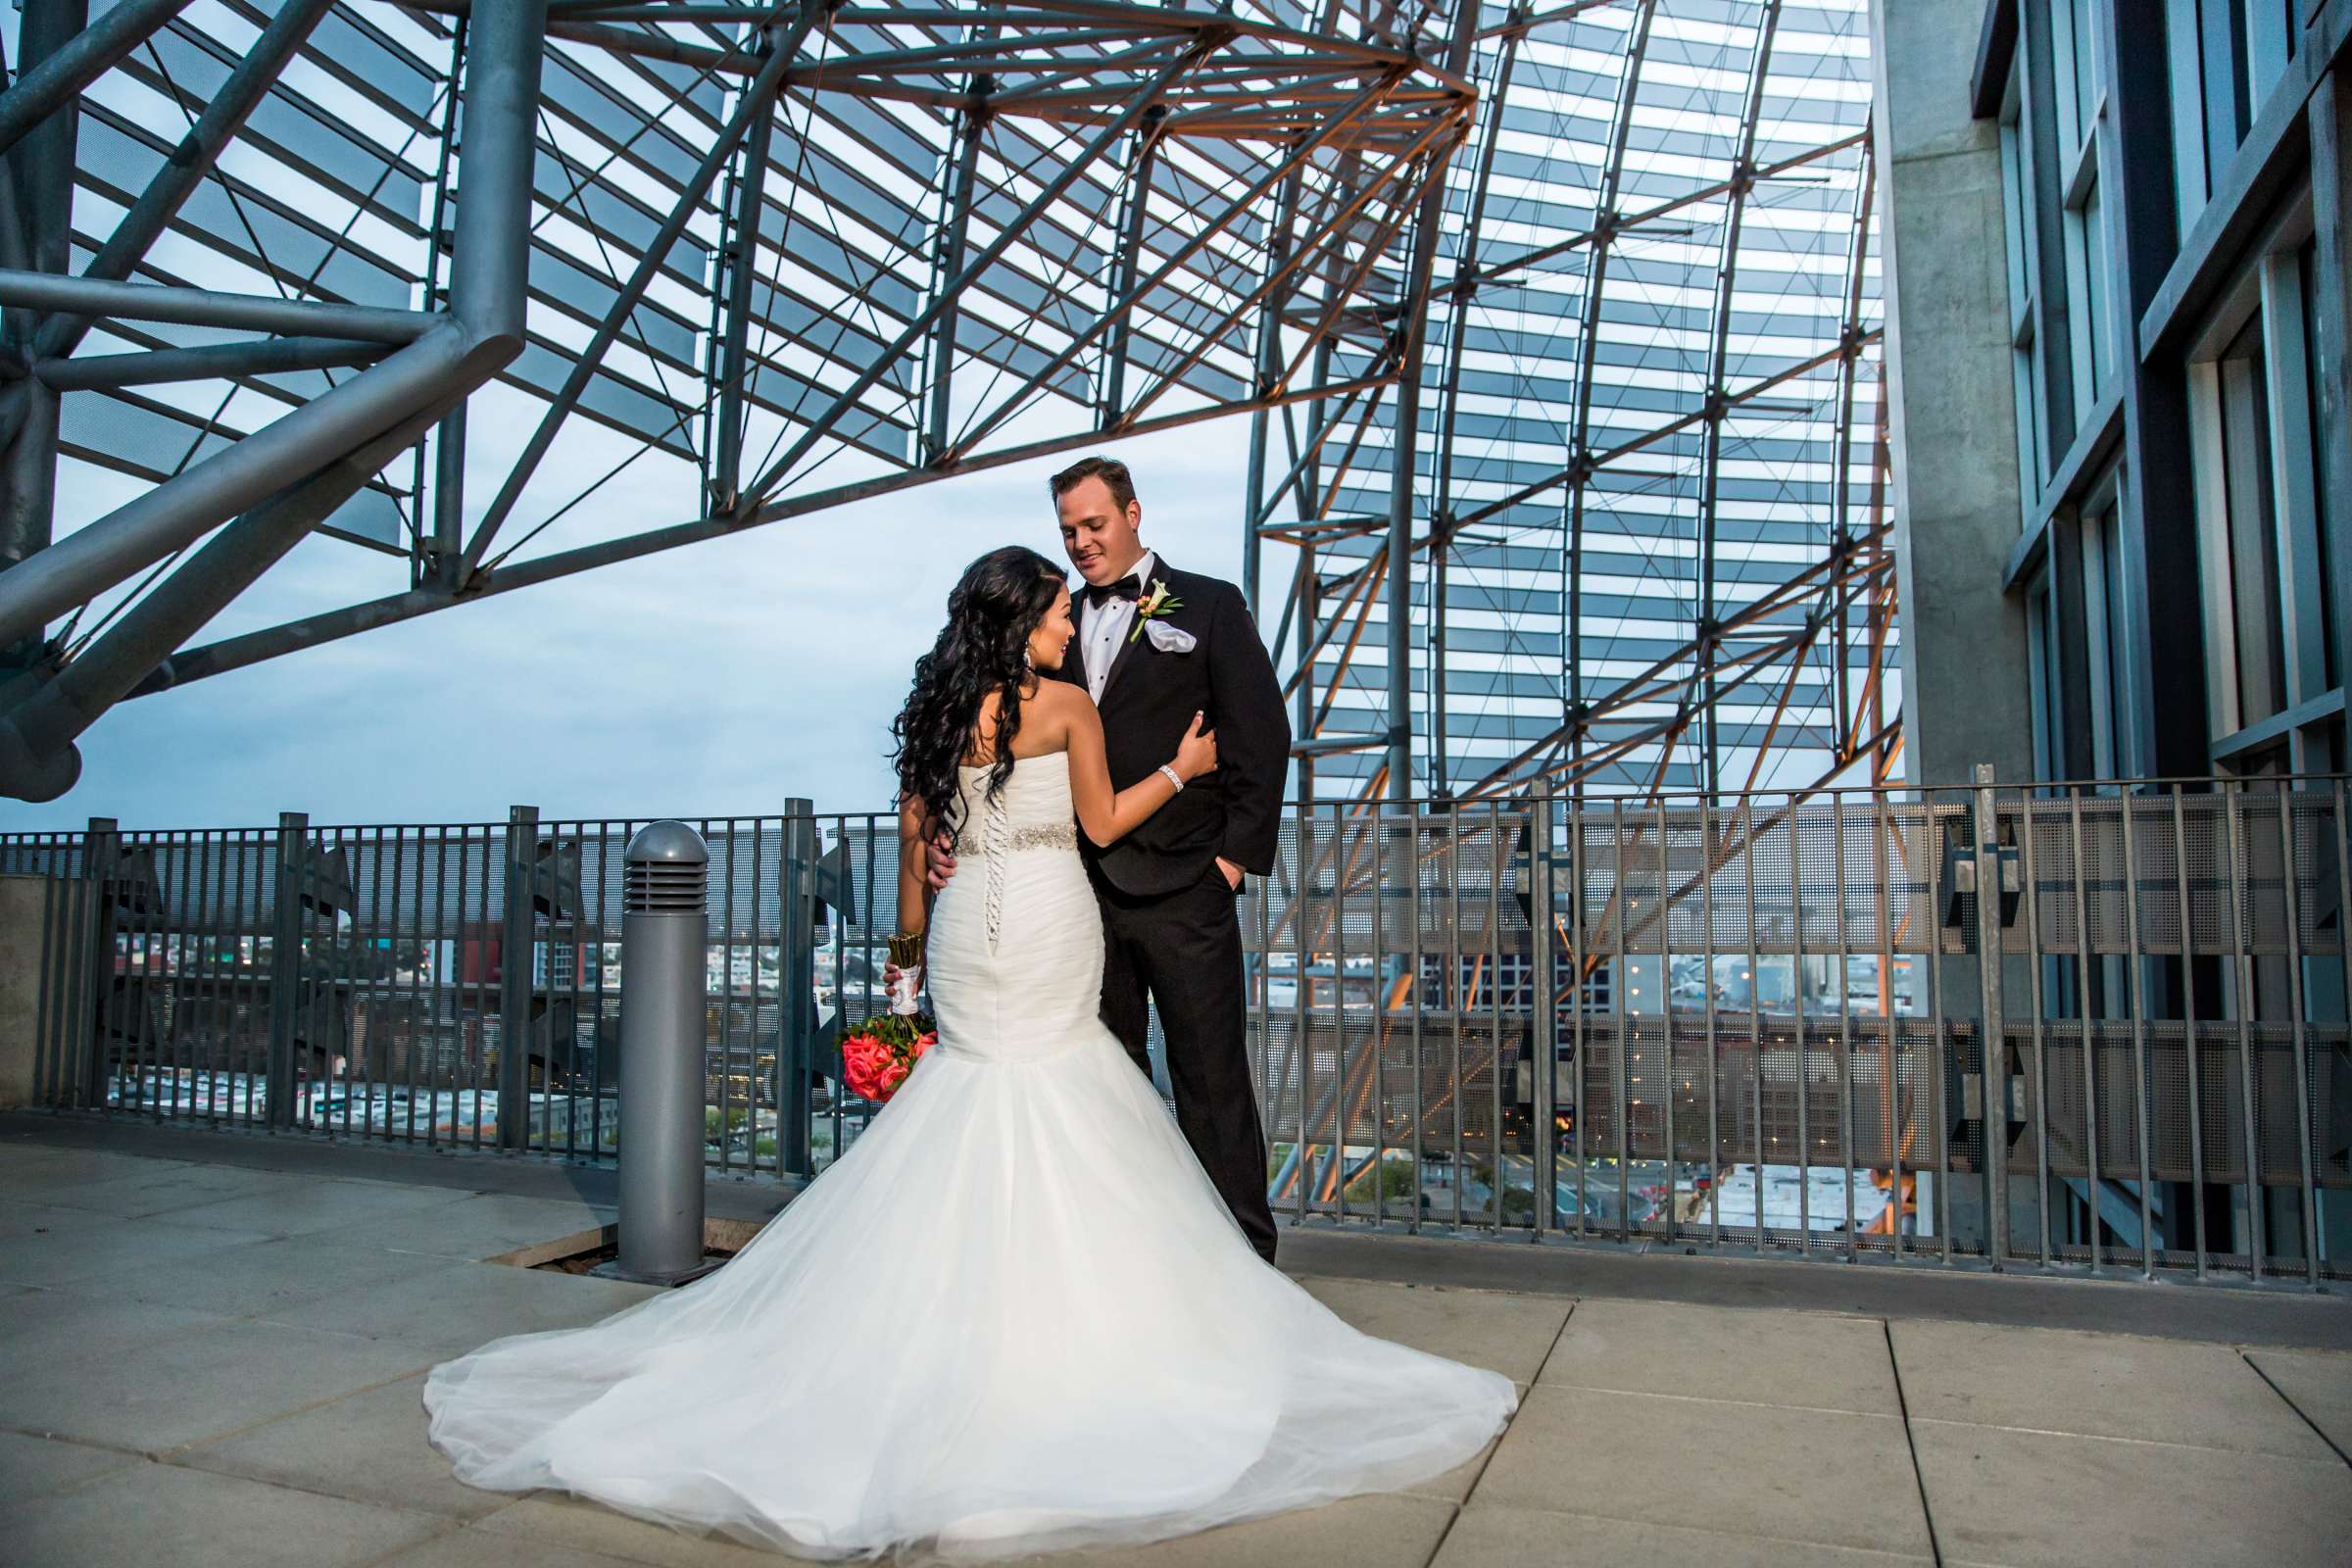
(1751, 1023)
(352, 979)
(1763, 1021)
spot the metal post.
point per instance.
(1544, 1036)
(1405, 456)
(1269, 366)
(1992, 1045)
(489, 254)
(85, 1008)
(734, 378)
(516, 948)
(796, 984)
(2139, 1030)
(39, 170)
(286, 964)
(949, 263)
(1404, 461)
(449, 501)
(438, 561)
(1580, 979)
(2236, 847)
(664, 930)
(1138, 197)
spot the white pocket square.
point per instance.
(1169, 639)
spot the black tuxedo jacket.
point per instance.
(1146, 707)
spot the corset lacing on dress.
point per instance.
(999, 838)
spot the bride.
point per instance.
(1014, 1316)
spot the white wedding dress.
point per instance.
(1014, 1316)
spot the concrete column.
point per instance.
(1952, 418)
(24, 939)
(49, 996)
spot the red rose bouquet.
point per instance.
(877, 1054)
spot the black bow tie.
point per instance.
(1099, 594)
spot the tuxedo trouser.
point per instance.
(1182, 952)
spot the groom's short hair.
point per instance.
(1110, 471)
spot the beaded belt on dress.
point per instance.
(1030, 836)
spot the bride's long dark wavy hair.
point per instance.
(983, 648)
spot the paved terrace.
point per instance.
(210, 1347)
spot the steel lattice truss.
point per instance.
(1637, 536)
(319, 269)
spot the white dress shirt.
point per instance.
(1101, 629)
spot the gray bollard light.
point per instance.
(665, 932)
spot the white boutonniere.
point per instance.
(1159, 602)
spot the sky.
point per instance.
(721, 678)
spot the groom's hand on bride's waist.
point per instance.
(943, 860)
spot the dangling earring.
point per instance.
(1028, 659)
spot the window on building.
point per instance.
(2265, 36)
(2088, 294)
(2223, 81)
(2250, 525)
(2106, 641)
(2265, 543)
(2077, 76)
(2016, 230)
(2185, 87)
(2044, 668)
(2225, 56)
(2077, 82)
(2306, 286)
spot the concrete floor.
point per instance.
(210, 1349)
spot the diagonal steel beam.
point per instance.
(182, 510)
(57, 79)
(200, 307)
(252, 648)
(1642, 216)
(252, 357)
(38, 760)
(947, 296)
(1125, 305)
(755, 104)
(459, 351)
(1324, 430)
(1522, 21)
(1332, 227)
(198, 151)
(1651, 437)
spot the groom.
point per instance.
(1156, 645)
